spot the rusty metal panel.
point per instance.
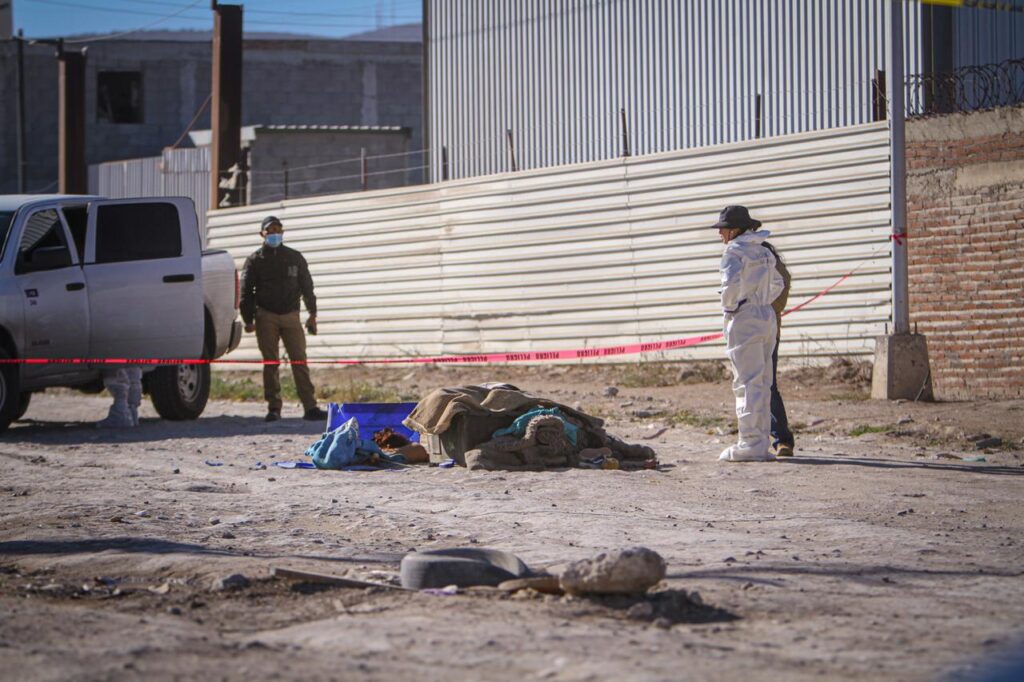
(589, 255)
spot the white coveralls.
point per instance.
(125, 386)
(750, 283)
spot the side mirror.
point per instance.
(44, 258)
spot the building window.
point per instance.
(119, 96)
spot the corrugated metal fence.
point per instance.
(688, 73)
(176, 173)
(590, 255)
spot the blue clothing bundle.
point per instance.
(518, 427)
(342, 448)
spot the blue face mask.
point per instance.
(274, 240)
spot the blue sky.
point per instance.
(44, 18)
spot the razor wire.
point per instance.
(970, 88)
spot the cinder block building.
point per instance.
(141, 93)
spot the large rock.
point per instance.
(623, 571)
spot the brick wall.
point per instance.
(965, 195)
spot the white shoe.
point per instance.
(735, 454)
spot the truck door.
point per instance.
(143, 269)
(55, 300)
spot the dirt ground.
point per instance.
(884, 550)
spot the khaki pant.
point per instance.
(271, 329)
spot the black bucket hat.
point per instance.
(736, 217)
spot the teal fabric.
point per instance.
(518, 427)
(343, 448)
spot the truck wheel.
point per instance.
(23, 402)
(180, 392)
(10, 392)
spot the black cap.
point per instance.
(736, 217)
(268, 221)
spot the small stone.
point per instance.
(116, 519)
(228, 535)
(646, 414)
(271, 479)
(624, 571)
(235, 581)
(729, 560)
(663, 623)
(626, 403)
(143, 514)
(174, 610)
(904, 420)
(991, 442)
(214, 520)
(610, 392)
(176, 471)
(642, 611)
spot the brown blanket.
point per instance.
(542, 448)
(434, 413)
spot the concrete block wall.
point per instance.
(284, 82)
(327, 162)
(965, 218)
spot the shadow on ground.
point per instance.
(979, 468)
(50, 431)
(137, 545)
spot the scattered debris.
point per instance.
(904, 420)
(989, 442)
(610, 392)
(325, 579)
(235, 581)
(212, 463)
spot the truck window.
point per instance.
(129, 232)
(43, 231)
(77, 218)
(6, 218)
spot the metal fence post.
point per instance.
(511, 149)
(444, 162)
(758, 127)
(878, 98)
(362, 168)
(625, 132)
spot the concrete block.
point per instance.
(901, 368)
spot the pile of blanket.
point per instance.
(544, 435)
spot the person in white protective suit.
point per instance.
(750, 283)
(125, 386)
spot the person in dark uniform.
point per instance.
(274, 278)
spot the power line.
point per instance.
(125, 33)
(250, 10)
(121, 10)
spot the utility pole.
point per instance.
(22, 161)
(898, 170)
(226, 113)
(72, 174)
(901, 369)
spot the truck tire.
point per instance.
(10, 391)
(23, 403)
(180, 392)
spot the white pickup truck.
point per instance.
(94, 278)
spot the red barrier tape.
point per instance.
(526, 356)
